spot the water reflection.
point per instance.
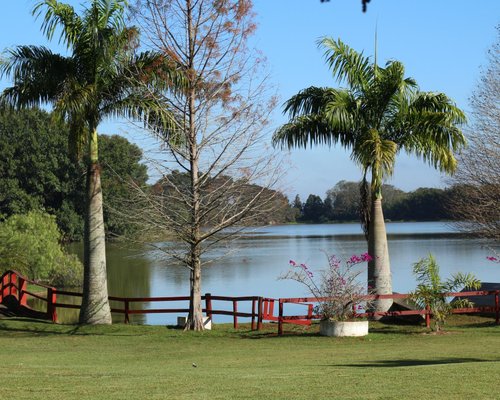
(129, 275)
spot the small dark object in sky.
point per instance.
(363, 3)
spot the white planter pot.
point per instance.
(343, 328)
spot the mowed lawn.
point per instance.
(45, 361)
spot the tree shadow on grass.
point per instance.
(413, 362)
(484, 324)
(312, 331)
(48, 328)
(42, 328)
(271, 332)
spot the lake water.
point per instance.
(255, 262)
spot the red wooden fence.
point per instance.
(14, 286)
(494, 309)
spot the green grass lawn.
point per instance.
(45, 361)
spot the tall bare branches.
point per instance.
(477, 202)
(216, 155)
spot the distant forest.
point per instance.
(342, 204)
(36, 173)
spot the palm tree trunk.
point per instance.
(379, 269)
(95, 304)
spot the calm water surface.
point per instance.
(254, 263)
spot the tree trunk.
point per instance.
(379, 269)
(95, 304)
(195, 318)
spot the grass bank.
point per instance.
(45, 361)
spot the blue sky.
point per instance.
(443, 45)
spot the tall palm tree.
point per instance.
(379, 114)
(102, 76)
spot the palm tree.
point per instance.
(102, 76)
(432, 290)
(379, 114)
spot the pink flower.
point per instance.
(292, 263)
(491, 258)
(366, 257)
(334, 262)
(354, 259)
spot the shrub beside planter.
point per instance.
(343, 328)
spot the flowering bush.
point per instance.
(338, 291)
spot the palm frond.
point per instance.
(308, 101)
(303, 131)
(461, 281)
(377, 154)
(156, 114)
(37, 75)
(346, 63)
(59, 15)
(311, 130)
(429, 126)
(344, 112)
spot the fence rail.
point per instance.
(426, 313)
(14, 288)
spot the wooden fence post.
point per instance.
(235, 311)
(259, 317)
(22, 285)
(428, 316)
(208, 305)
(127, 308)
(497, 307)
(253, 314)
(5, 285)
(51, 305)
(1, 289)
(280, 318)
(13, 287)
(309, 311)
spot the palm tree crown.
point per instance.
(102, 76)
(381, 113)
(378, 115)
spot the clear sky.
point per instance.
(442, 43)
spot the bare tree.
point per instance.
(216, 153)
(476, 200)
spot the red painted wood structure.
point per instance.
(14, 295)
(426, 313)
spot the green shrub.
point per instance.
(30, 244)
(432, 290)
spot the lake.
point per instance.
(254, 263)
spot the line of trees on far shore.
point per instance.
(342, 204)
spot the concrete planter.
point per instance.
(343, 328)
